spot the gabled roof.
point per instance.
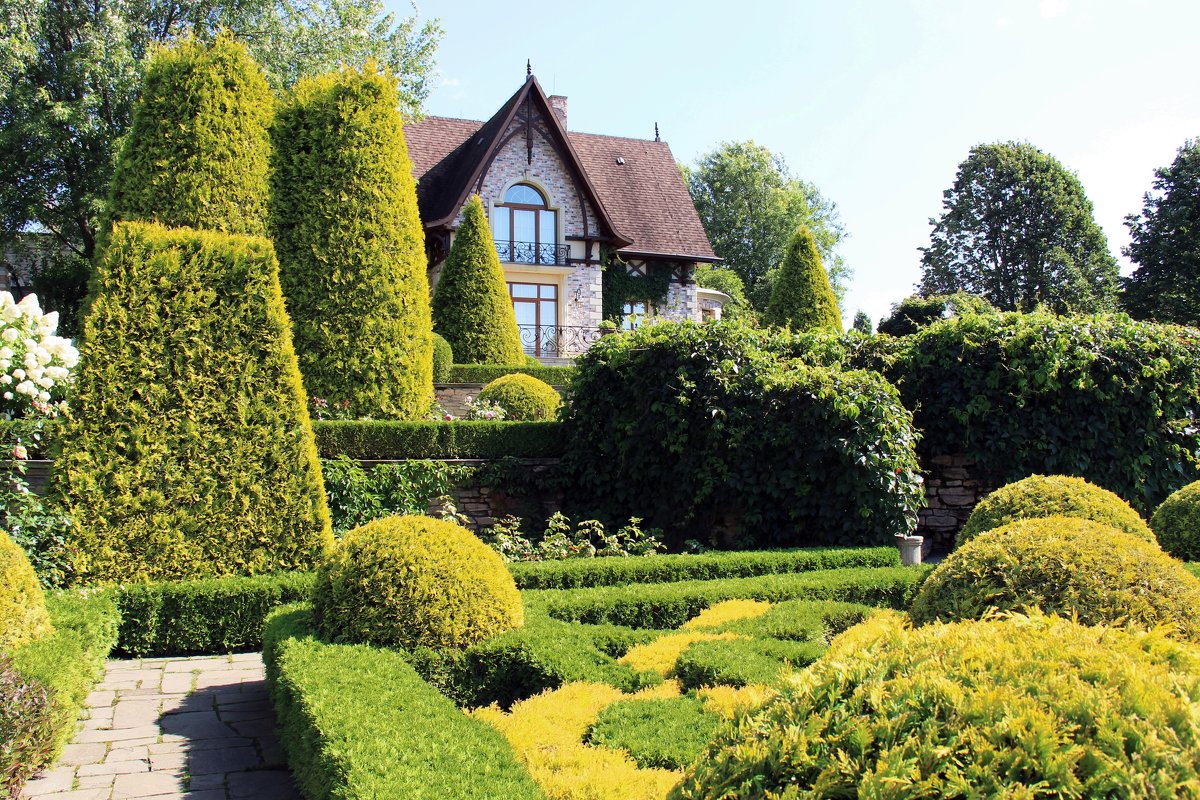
(633, 184)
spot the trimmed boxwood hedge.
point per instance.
(1176, 523)
(486, 373)
(388, 439)
(358, 722)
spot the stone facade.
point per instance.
(681, 303)
(951, 492)
(582, 302)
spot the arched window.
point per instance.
(525, 229)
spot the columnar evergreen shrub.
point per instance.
(695, 427)
(1051, 496)
(189, 451)
(1065, 566)
(523, 397)
(197, 151)
(443, 359)
(414, 582)
(471, 306)
(351, 247)
(802, 298)
(23, 616)
(1176, 523)
(1020, 707)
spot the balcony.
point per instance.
(542, 254)
(557, 341)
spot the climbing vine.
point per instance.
(620, 287)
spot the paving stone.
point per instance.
(100, 698)
(206, 794)
(59, 779)
(256, 729)
(177, 683)
(139, 752)
(74, 754)
(96, 781)
(126, 735)
(78, 794)
(135, 713)
(131, 767)
(272, 784)
(195, 725)
(148, 785)
(168, 762)
(244, 716)
(205, 762)
(212, 780)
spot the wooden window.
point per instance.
(525, 230)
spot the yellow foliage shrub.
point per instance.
(728, 611)
(23, 616)
(661, 654)
(729, 702)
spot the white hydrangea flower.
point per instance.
(44, 397)
(28, 388)
(8, 395)
(10, 335)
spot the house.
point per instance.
(564, 206)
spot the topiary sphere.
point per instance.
(1066, 566)
(1017, 707)
(1176, 523)
(413, 582)
(443, 359)
(1053, 495)
(523, 397)
(23, 616)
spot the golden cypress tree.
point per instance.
(802, 298)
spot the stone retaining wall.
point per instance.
(951, 492)
(453, 397)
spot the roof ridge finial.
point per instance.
(528, 68)
(656, 133)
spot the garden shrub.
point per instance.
(358, 495)
(523, 397)
(744, 662)
(1066, 566)
(214, 615)
(411, 582)
(189, 452)
(26, 727)
(1053, 496)
(358, 722)
(1108, 399)
(1176, 523)
(669, 605)
(471, 306)
(197, 150)
(915, 312)
(443, 359)
(23, 616)
(719, 432)
(351, 247)
(390, 439)
(1012, 707)
(801, 298)
(581, 573)
(667, 733)
(486, 373)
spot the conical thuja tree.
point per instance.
(197, 151)
(471, 306)
(802, 298)
(351, 247)
(189, 450)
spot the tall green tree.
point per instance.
(1166, 244)
(71, 71)
(802, 298)
(471, 306)
(751, 204)
(1018, 229)
(862, 323)
(351, 248)
(725, 280)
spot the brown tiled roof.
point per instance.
(644, 199)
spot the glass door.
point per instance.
(536, 309)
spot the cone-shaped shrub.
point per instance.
(471, 306)
(802, 297)
(1021, 707)
(189, 451)
(443, 359)
(197, 151)
(351, 247)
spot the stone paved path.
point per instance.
(197, 728)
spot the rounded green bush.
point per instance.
(523, 397)
(1176, 523)
(443, 359)
(414, 582)
(1066, 566)
(23, 616)
(1019, 707)
(1053, 495)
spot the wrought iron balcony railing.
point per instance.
(540, 253)
(557, 341)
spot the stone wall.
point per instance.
(453, 397)
(483, 506)
(582, 306)
(951, 492)
(681, 303)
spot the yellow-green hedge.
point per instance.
(1053, 495)
(523, 397)
(1067, 566)
(414, 582)
(1021, 707)
(1176, 523)
(189, 451)
(23, 616)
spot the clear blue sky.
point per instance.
(874, 102)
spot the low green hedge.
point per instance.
(391, 439)
(359, 722)
(669, 605)
(70, 660)
(217, 615)
(738, 662)
(486, 373)
(663, 733)
(588, 572)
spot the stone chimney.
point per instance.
(559, 103)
